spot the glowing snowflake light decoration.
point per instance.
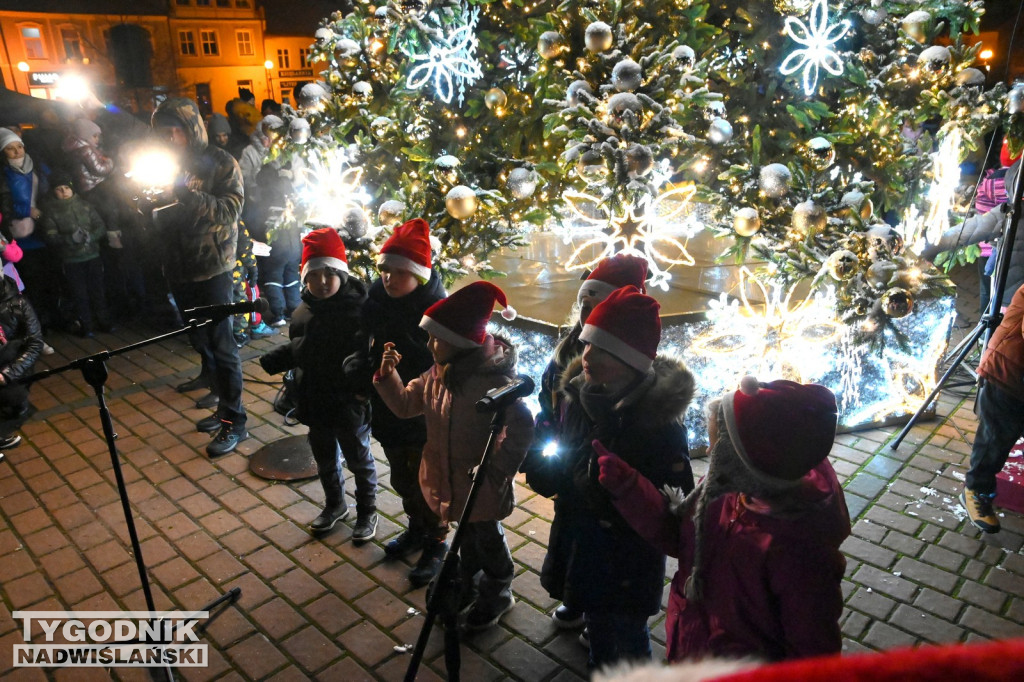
(450, 62)
(330, 187)
(817, 40)
(653, 228)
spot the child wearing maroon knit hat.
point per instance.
(468, 362)
(326, 349)
(760, 571)
(407, 286)
(623, 393)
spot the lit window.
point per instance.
(244, 43)
(32, 40)
(72, 44)
(283, 60)
(208, 39)
(187, 43)
(304, 57)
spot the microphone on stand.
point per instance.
(498, 398)
(221, 310)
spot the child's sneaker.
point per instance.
(405, 544)
(261, 331)
(567, 618)
(8, 442)
(429, 562)
(979, 509)
(279, 323)
(365, 528)
(482, 617)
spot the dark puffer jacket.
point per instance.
(595, 560)
(397, 320)
(23, 336)
(74, 228)
(86, 162)
(200, 234)
(326, 350)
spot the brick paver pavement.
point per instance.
(917, 571)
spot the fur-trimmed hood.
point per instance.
(661, 398)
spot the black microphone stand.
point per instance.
(991, 319)
(94, 371)
(444, 599)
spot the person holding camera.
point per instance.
(74, 230)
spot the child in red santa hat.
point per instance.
(621, 391)
(760, 569)
(326, 350)
(468, 362)
(406, 288)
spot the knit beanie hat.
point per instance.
(611, 273)
(408, 248)
(322, 248)
(626, 324)
(774, 434)
(461, 319)
(7, 136)
(218, 123)
(84, 129)
(60, 177)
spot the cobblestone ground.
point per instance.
(917, 571)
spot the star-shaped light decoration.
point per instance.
(817, 40)
(450, 62)
(331, 186)
(652, 228)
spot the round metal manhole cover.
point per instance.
(288, 459)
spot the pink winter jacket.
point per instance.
(772, 579)
(457, 433)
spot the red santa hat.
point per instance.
(322, 248)
(408, 248)
(612, 273)
(781, 429)
(461, 319)
(626, 324)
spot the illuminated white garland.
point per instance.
(651, 229)
(449, 62)
(921, 228)
(817, 39)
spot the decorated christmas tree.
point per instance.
(821, 140)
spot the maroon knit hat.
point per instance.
(461, 319)
(781, 429)
(611, 273)
(626, 324)
(408, 248)
(322, 248)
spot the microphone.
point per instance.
(221, 310)
(498, 398)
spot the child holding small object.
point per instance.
(468, 362)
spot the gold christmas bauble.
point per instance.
(495, 98)
(855, 200)
(391, 212)
(446, 170)
(550, 44)
(591, 167)
(917, 25)
(842, 265)
(897, 302)
(820, 153)
(746, 222)
(460, 202)
(598, 37)
(809, 218)
(879, 273)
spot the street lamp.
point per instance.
(268, 65)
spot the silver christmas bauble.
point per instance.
(591, 167)
(856, 201)
(323, 35)
(550, 44)
(1015, 100)
(917, 25)
(879, 273)
(382, 16)
(774, 180)
(354, 222)
(460, 202)
(809, 218)
(598, 36)
(346, 52)
(362, 90)
(842, 265)
(820, 153)
(521, 183)
(684, 56)
(897, 302)
(639, 160)
(574, 93)
(719, 131)
(381, 127)
(298, 130)
(446, 170)
(935, 58)
(885, 239)
(874, 16)
(391, 212)
(746, 222)
(622, 102)
(714, 109)
(311, 95)
(495, 98)
(627, 76)
(414, 8)
(970, 76)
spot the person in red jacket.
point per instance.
(758, 539)
(1000, 408)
